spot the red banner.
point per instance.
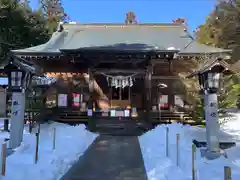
(76, 100)
(163, 101)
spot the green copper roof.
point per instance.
(120, 36)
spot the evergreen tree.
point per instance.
(20, 27)
(54, 13)
(222, 28)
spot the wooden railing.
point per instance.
(170, 117)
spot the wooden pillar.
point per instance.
(148, 79)
(44, 101)
(145, 96)
(91, 85)
(81, 93)
(120, 93)
(110, 96)
(91, 119)
(129, 96)
(169, 65)
(171, 93)
(150, 90)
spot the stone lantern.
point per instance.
(210, 80)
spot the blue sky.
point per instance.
(151, 11)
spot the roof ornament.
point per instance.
(130, 18)
(181, 21)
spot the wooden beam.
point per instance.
(161, 77)
(166, 77)
(108, 71)
(159, 61)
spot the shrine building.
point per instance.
(117, 66)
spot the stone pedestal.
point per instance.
(212, 125)
(17, 119)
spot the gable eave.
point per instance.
(196, 48)
(210, 64)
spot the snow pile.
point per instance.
(160, 167)
(71, 142)
(157, 165)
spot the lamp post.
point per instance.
(210, 84)
(18, 81)
(210, 80)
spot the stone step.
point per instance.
(130, 131)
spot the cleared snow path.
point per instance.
(110, 158)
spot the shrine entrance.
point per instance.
(120, 97)
(120, 89)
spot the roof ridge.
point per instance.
(121, 24)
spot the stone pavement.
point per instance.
(110, 158)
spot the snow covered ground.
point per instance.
(71, 142)
(160, 167)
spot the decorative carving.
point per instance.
(130, 18)
(179, 21)
(213, 114)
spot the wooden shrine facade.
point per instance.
(148, 57)
(86, 67)
(163, 68)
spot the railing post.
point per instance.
(36, 149)
(227, 173)
(54, 138)
(167, 141)
(178, 153)
(3, 159)
(193, 162)
(6, 124)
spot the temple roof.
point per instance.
(129, 37)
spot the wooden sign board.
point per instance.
(62, 100)
(3, 103)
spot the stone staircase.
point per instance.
(124, 126)
(103, 125)
(72, 117)
(167, 117)
(119, 127)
